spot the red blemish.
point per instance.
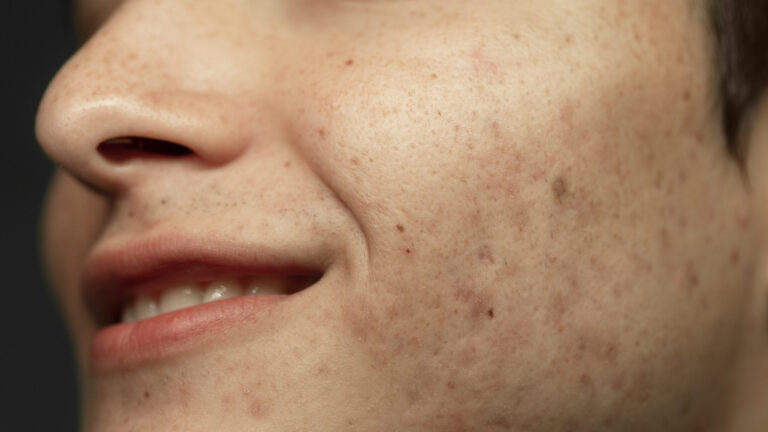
(485, 254)
(496, 131)
(475, 302)
(434, 75)
(585, 380)
(483, 63)
(355, 161)
(609, 353)
(691, 278)
(287, 164)
(258, 409)
(636, 388)
(349, 62)
(321, 132)
(408, 251)
(735, 256)
(566, 113)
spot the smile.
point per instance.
(154, 297)
(188, 295)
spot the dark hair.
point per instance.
(741, 43)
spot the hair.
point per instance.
(740, 30)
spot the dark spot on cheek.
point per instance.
(321, 132)
(146, 395)
(687, 95)
(585, 380)
(287, 164)
(559, 190)
(485, 254)
(355, 161)
(408, 251)
(434, 76)
(490, 313)
(349, 62)
(735, 256)
(400, 228)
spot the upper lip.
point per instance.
(111, 276)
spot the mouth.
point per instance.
(153, 302)
(152, 297)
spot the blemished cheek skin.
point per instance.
(539, 228)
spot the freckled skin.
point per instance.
(529, 214)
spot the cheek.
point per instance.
(554, 263)
(72, 220)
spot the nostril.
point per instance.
(124, 148)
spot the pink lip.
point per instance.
(113, 275)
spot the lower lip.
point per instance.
(131, 344)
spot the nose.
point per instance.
(150, 87)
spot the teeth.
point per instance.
(188, 295)
(129, 313)
(180, 297)
(145, 307)
(265, 285)
(220, 290)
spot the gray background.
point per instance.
(38, 391)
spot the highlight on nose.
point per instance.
(125, 148)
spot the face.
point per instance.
(487, 215)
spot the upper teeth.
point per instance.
(191, 294)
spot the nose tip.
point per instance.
(106, 137)
(126, 99)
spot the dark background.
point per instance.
(38, 390)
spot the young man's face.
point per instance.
(514, 215)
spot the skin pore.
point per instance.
(525, 211)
